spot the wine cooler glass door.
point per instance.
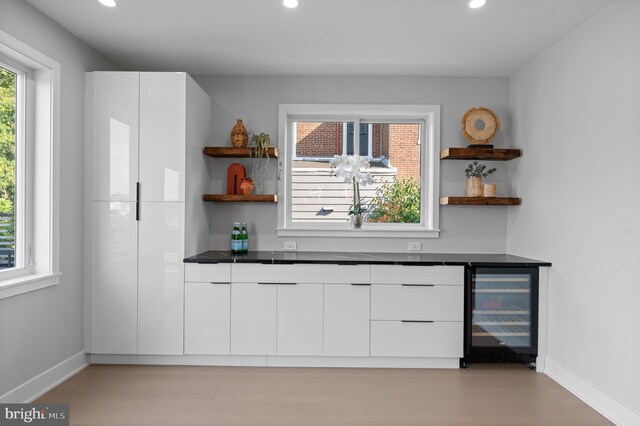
(503, 315)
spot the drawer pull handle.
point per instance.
(417, 321)
(220, 282)
(418, 285)
(360, 284)
(278, 283)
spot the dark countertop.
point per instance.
(361, 258)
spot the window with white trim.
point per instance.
(402, 201)
(12, 132)
(29, 116)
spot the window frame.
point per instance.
(40, 169)
(24, 114)
(345, 140)
(429, 115)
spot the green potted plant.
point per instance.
(259, 151)
(475, 172)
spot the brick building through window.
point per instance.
(393, 145)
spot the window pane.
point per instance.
(7, 167)
(364, 139)
(320, 139)
(320, 197)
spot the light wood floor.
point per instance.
(510, 395)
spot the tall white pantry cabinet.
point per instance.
(145, 174)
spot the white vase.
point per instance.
(356, 220)
(474, 186)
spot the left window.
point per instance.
(29, 164)
(12, 131)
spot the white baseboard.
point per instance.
(361, 362)
(212, 360)
(278, 361)
(596, 399)
(47, 380)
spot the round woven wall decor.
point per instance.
(480, 125)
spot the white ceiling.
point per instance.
(322, 37)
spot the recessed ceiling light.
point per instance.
(290, 3)
(108, 3)
(474, 4)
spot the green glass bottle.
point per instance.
(236, 243)
(244, 237)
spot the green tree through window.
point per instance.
(7, 163)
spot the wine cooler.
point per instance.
(501, 321)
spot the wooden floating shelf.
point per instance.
(479, 201)
(223, 198)
(480, 154)
(216, 151)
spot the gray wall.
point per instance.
(43, 328)
(256, 99)
(575, 113)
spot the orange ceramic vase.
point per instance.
(246, 186)
(239, 135)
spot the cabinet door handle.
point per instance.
(363, 284)
(220, 282)
(137, 201)
(429, 322)
(278, 283)
(418, 285)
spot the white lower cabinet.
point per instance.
(346, 319)
(416, 339)
(253, 318)
(417, 302)
(417, 311)
(299, 319)
(207, 309)
(277, 310)
(258, 328)
(207, 318)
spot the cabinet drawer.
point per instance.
(417, 302)
(347, 274)
(207, 272)
(443, 275)
(416, 339)
(258, 273)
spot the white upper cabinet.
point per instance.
(114, 122)
(163, 97)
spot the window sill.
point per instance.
(15, 286)
(359, 233)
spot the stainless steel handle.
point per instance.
(137, 201)
(418, 285)
(278, 283)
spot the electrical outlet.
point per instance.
(289, 245)
(415, 246)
